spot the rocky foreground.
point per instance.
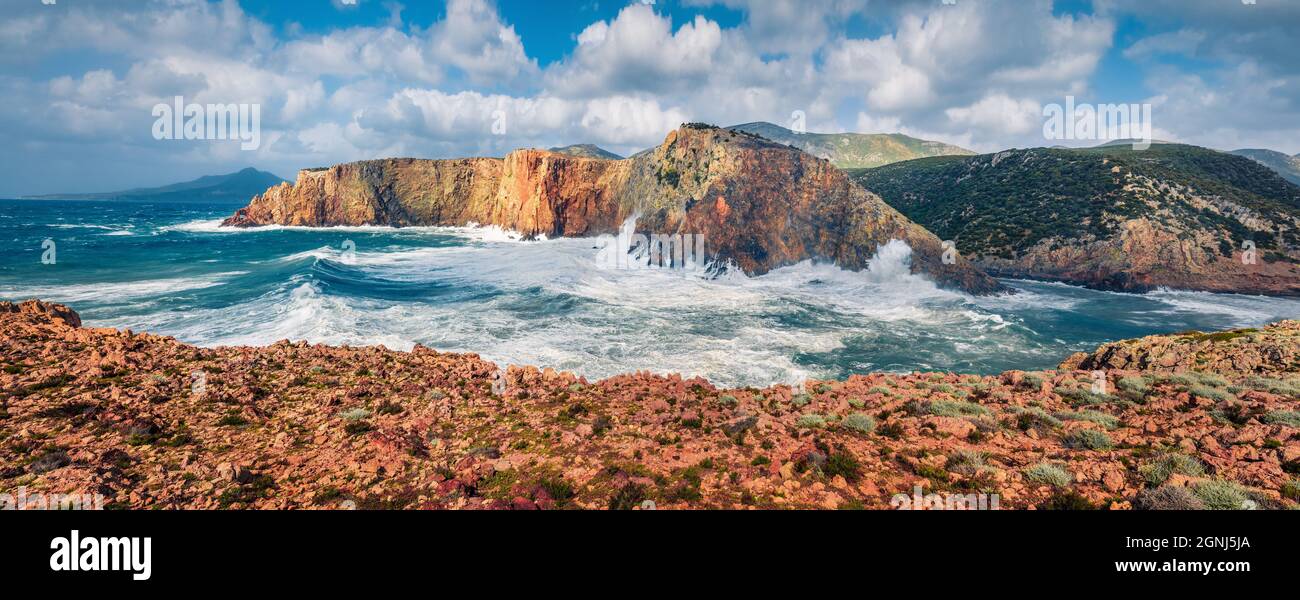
(1185, 421)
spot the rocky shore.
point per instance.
(757, 204)
(1195, 420)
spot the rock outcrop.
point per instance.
(758, 204)
(1269, 351)
(149, 422)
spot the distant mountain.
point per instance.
(587, 151)
(854, 150)
(240, 185)
(1129, 142)
(1112, 217)
(1286, 166)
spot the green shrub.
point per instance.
(860, 422)
(841, 463)
(1283, 417)
(1032, 381)
(856, 402)
(1091, 416)
(1088, 438)
(811, 421)
(967, 462)
(1181, 379)
(1221, 494)
(1068, 501)
(728, 400)
(232, 419)
(882, 390)
(1049, 474)
(1134, 386)
(1026, 418)
(558, 489)
(1168, 497)
(1291, 490)
(800, 399)
(357, 427)
(1209, 393)
(954, 408)
(1159, 470)
(627, 497)
(1210, 379)
(355, 414)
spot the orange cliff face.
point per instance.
(758, 204)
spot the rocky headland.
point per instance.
(1191, 420)
(758, 204)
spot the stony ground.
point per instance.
(150, 422)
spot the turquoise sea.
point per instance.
(169, 269)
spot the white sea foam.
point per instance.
(549, 303)
(473, 231)
(114, 292)
(728, 329)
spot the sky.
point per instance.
(340, 80)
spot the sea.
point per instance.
(171, 269)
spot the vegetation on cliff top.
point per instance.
(1002, 204)
(854, 150)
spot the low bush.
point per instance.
(1049, 474)
(1158, 471)
(1088, 438)
(860, 422)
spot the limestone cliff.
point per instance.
(760, 205)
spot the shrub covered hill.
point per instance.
(1184, 421)
(1112, 217)
(854, 150)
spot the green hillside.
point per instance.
(1000, 205)
(854, 150)
(1286, 166)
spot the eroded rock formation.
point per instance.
(760, 205)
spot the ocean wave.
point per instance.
(1238, 309)
(472, 231)
(114, 292)
(551, 303)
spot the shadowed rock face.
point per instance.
(760, 205)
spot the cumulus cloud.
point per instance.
(81, 78)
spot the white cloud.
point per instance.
(999, 112)
(974, 74)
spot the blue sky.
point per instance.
(336, 82)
